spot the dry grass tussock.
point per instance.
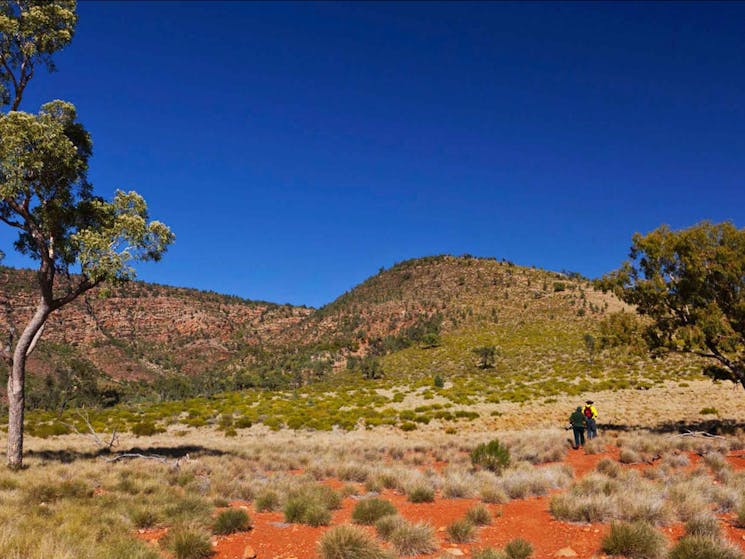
(73, 503)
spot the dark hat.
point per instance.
(589, 402)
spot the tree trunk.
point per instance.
(16, 385)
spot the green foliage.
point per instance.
(709, 411)
(702, 547)
(637, 540)
(230, 521)
(461, 531)
(346, 542)
(479, 515)
(438, 382)
(188, 543)
(421, 494)
(146, 429)
(691, 283)
(518, 549)
(31, 32)
(493, 456)
(369, 511)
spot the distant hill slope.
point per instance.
(421, 317)
(140, 329)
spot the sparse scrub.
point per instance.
(421, 493)
(488, 553)
(706, 525)
(461, 531)
(637, 540)
(518, 549)
(230, 521)
(702, 547)
(347, 542)
(267, 501)
(413, 538)
(493, 456)
(479, 515)
(144, 517)
(188, 543)
(369, 511)
(386, 525)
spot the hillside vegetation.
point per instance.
(444, 339)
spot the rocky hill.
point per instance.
(138, 329)
(420, 316)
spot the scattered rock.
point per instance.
(248, 553)
(279, 524)
(454, 551)
(565, 552)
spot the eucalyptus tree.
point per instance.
(79, 240)
(691, 283)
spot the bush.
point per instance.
(267, 501)
(421, 494)
(187, 543)
(230, 521)
(144, 517)
(346, 541)
(702, 547)
(413, 539)
(518, 549)
(488, 553)
(461, 531)
(479, 515)
(386, 525)
(146, 429)
(493, 456)
(637, 540)
(370, 510)
(703, 525)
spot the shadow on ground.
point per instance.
(709, 426)
(67, 456)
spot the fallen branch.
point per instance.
(107, 446)
(703, 434)
(175, 465)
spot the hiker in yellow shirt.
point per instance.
(591, 414)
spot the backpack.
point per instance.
(588, 412)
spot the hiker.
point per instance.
(577, 421)
(591, 414)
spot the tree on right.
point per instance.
(691, 284)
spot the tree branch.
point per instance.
(35, 340)
(84, 285)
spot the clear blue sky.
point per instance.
(296, 148)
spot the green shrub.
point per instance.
(493, 456)
(188, 543)
(636, 540)
(144, 517)
(488, 553)
(479, 515)
(421, 494)
(413, 539)
(438, 382)
(146, 429)
(386, 525)
(702, 547)
(461, 531)
(703, 525)
(267, 501)
(369, 511)
(709, 411)
(349, 542)
(230, 521)
(518, 549)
